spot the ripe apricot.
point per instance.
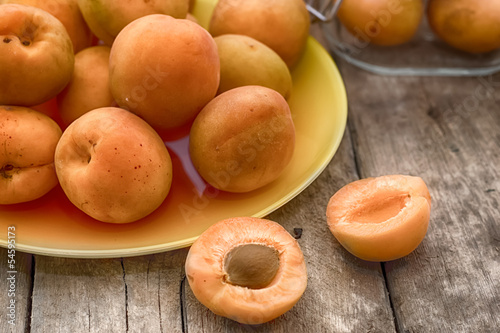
(106, 18)
(245, 61)
(247, 269)
(28, 139)
(113, 166)
(382, 218)
(89, 86)
(168, 77)
(382, 22)
(283, 25)
(468, 25)
(68, 12)
(243, 139)
(36, 55)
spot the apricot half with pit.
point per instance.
(248, 269)
(382, 218)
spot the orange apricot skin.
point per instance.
(36, 55)
(389, 239)
(68, 12)
(470, 26)
(382, 22)
(247, 306)
(28, 139)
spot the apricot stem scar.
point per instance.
(5, 169)
(7, 40)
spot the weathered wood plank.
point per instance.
(15, 292)
(138, 294)
(153, 292)
(78, 295)
(343, 294)
(446, 131)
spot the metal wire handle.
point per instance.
(323, 10)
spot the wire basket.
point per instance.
(424, 55)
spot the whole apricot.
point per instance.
(247, 269)
(467, 25)
(113, 166)
(28, 139)
(381, 22)
(36, 55)
(164, 69)
(106, 18)
(68, 12)
(89, 86)
(243, 139)
(245, 61)
(283, 25)
(382, 218)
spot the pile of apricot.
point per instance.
(126, 75)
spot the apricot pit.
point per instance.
(251, 265)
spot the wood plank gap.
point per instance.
(159, 304)
(182, 298)
(29, 306)
(126, 295)
(389, 293)
(357, 162)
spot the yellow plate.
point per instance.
(52, 226)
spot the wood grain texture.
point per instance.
(137, 294)
(153, 292)
(445, 130)
(78, 295)
(344, 294)
(19, 292)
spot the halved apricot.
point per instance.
(247, 269)
(382, 218)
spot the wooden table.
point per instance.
(446, 130)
